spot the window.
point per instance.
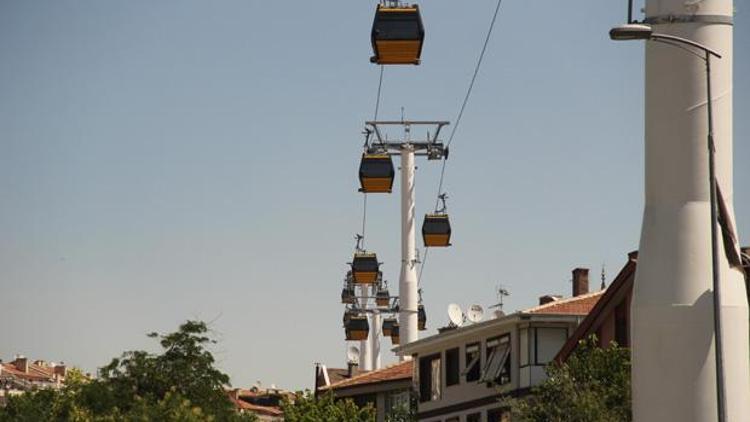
(498, 415)
(397, 401)
(364, 400)
(455, 419)
(497, 362)
(429, 378)
(548, 343)
(451, 367)
(523, 340)
(472, 362)
(474, 417)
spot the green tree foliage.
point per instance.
(403, 413)
(592, 386)
(305, 407)
(179, 384)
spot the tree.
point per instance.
(305, 407)
(180, 384)
(592, 386)
(402, 413)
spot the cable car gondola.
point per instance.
(383, 297)
(376, 173)
(395, 335)
(388, 324)
(436, 230)
(347, 295)
(397, 34)
(356, 327)
(421, 318)
(365, 268)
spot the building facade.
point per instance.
(388, 390)
(21, 375)
(461, 374)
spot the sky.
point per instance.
(173, 160)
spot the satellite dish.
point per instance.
(456, 315)
(475, 313)
(352, 354)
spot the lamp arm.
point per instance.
(657, 37)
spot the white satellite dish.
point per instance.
(475, 313)
(352, 354)
(456, 315)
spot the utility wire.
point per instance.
(458, 121)
(377, 108)
(364, 219)
(466, 98)
(380, 86)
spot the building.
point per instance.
(461, 374)
(22, 375)
(609, 320)
(265, 403)
(325, 377)
(387, 389)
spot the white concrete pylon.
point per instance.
(407, 287)
(365, 346)
(376, 328)
(672, 339)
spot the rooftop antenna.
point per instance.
(352, 355)
(502, 292)
(456, 315)
(475, 313)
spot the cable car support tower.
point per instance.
(407, 149)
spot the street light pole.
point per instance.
(720, 379)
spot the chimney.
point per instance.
(543, 300)
(60, 369)
(21, 363)
(350, 368)
(580, 281)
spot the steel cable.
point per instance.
(377, 108)
(458, 121)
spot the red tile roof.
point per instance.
(396, 372)
(35, 373)
(254, 408)
(578, 305)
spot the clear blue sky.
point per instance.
(187, 159)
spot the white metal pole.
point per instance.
(674, 365)
(365, 361)
(375, 331)
(408, 280)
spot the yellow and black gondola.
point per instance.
(421, 318)
(365, 268)
(388, 324)
(383, 297)
(376, 173)
(397, 35)
(356, 327)
(395, 334)
(436, 230)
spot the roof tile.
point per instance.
(394, 372)
(578, 305)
